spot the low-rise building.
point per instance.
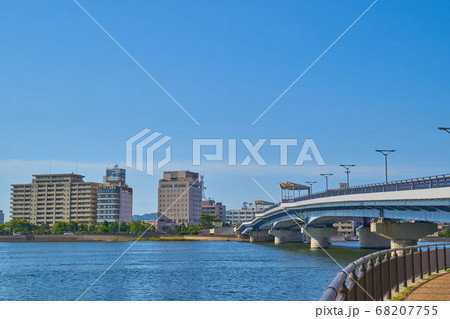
(347, 228)
(2, 217)
(247, 212)
(211, 207)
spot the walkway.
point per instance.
(436, 289)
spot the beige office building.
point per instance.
(55, 197)
(179, 199)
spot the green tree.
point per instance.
(61, 228)
(74, 226)
(137, 227)
(92, 227)
(83, 227)
(207, 221)
(113, 227)
(3, 229)
(42, 229)
(124, 227)
(20, 226)
(104, 228)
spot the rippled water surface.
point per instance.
(169, 270)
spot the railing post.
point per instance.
(388, 260)
(413, 269)
(397, 282)
(421, 262)
(354, 278)
(437, 258)
(362, 275)
(429, 260)
(343, 291)
(405, 277)
(379, 265)
(371, 268)
(445, 257)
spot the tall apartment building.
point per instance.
(115, 198)
(210, 207)
(2, 217)
(51, 198)
(179, 199)
(246, 213)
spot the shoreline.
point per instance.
(111, 238)
(148, 237)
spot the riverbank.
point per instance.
(435, 239)
(114, 237)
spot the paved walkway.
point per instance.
(436, 289)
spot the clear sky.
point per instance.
(69, 95)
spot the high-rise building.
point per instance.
(51, 198)
(211, 207)
(2, 217)
(179, 199)
(115, 198)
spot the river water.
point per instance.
(169, 270)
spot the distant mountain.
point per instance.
(149, 216)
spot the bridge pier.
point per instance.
(370, 240)
(403, 234)
(259, 236)
(281, 236)
(320, 237)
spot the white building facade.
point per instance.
(115, 198)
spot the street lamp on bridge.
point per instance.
(326, 178)
(385, 153)
(347, 171)
(311, 185)
(447, 129)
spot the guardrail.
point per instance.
(408, 184)
(375, 276)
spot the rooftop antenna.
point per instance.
(50, 169)
(76, 167)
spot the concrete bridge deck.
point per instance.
(424, 202)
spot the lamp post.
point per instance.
(347, 171)
(310, 184)
(326, 178)
(385, 153)
(447, 129)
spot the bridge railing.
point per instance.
(374, 277)
(409, 184)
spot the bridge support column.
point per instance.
(367, 239)
(320, 237)
(295, 237)
(281, 236)
(259, 236)
(403, 234)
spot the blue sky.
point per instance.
(68, 94)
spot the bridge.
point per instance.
(395, 214)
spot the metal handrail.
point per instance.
(408, 184)
(375, 276)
